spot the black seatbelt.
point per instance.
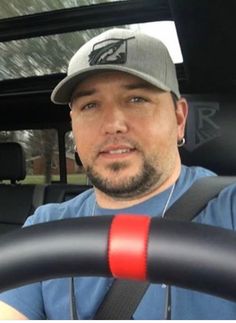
(124, 296)
(197, 197)
(121, 300)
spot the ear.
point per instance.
(181, 116)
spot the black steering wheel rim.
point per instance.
(183, 254)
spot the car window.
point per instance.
(25, 7)
(46, 55)
(75, 172)
(41, 153)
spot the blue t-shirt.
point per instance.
(50, 299)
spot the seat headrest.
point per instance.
(210, 133)
(12, 162)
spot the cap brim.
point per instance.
(63, 91)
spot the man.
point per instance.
(128, 119)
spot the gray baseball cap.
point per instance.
(120, 50)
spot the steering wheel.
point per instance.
(183, 254)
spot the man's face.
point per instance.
(126, 133)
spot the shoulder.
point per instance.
(192, 173)
(221, 210)
(226, 195)
(187, 177)
(78, 206)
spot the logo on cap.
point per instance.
(109, 51)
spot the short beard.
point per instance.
(131, 187)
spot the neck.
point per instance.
(108, 202)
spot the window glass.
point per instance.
(50, 54)
(166, 32)
(41, 153)
(15, 8)
(75, 172)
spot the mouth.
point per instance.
(117, 152)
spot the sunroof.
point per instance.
(50, 54)
(166, 32)
(15, 8)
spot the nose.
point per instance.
(114, 121)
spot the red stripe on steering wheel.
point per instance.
(127, 246)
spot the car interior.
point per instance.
(37, 42)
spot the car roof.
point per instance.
(205, 30)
